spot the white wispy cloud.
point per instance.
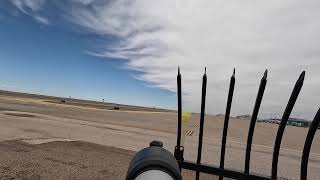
(5, 86)
(32, 8)
(28, 5)
(41, 20)
(157, 36)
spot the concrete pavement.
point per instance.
(37, 123)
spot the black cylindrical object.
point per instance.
(152, 162)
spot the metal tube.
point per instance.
(154, 175)
(254, 117)
(203, 104)
(226, 121)
(307, 146)
(283, 123)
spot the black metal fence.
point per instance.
(221, 171)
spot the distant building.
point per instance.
(246, 116)
(220, 115)
(298, 122)
(291, 122)
(273, 121)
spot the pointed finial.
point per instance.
(303, 74)
(178, 69)
(301, 77)
(234, 71)
(205, 70)
(265, 74)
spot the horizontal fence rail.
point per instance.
(221, 171)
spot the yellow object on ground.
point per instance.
(185, 117)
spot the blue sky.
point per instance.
(128, 51)
(52, 60)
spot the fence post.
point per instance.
(254, 119)
(307, 146)
(203, 105)
(283, 123)
(178, 152)
(226, 121)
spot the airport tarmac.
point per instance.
(37, 122)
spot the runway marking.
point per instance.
(189, 132)
(45, 140)
(43, 101)
(109, 110)
(271, 147)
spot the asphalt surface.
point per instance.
(36, 122)
(67, 160)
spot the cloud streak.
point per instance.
(154, 37)
(28, 5)
(32, 8)
(41, 20)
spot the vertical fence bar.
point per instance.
(178, 153)
(283, 123)
(307, 146)
(226, 121)
(254, 117)
(203, 104)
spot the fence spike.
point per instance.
(254, 117)
(203, 104)
(307, 145)
(283, 123)
(226, 121)
(178, 152)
